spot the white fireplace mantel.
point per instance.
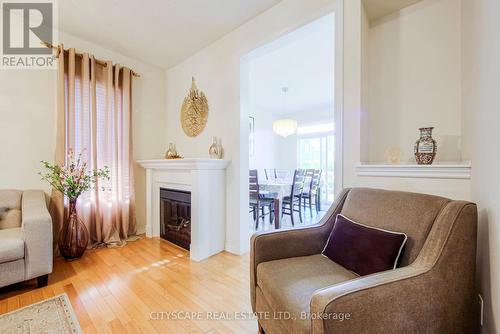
(189, 164)
(206, 180)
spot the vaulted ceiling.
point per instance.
(160, 32)
(303, 62)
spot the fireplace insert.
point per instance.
(175, 216)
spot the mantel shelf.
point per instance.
(187, 163)
(460, 170)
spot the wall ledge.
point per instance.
(459, 170)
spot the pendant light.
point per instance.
(285, 127)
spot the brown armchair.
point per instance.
(294, 289)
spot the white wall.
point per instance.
(265, 141)
(28, 116)
(414, 74)
(286, 153)
(481, 102)
(217, 70)
(365, 117)
(352, 89)
(355, 110)
(27, 126)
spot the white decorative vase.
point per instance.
(215, 150)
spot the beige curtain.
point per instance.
(95, 117)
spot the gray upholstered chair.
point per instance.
(25, 237)
(432, 291)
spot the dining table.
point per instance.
(277, 189)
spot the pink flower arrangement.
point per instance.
(74, 178)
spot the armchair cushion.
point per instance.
(10, 199)
(289, 284)
(363, 249)
(11, 244)
(9, 218)
(10, 208)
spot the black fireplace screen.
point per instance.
(175, 216)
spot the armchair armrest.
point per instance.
(37, 231)
(435, 294)
(389, 299)
(282, 244)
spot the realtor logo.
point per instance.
(25, 27)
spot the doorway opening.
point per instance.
(288, 91)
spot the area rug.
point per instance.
(54, 316)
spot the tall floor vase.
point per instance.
(74, 235)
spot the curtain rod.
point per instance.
(100, 62)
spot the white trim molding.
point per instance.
(436, 171)
(191, 163)
(339, 98)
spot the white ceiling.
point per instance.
(160, 32)
(303, 61)
(376, 9)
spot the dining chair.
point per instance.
(253, 176)
(308, 177)
(292, 203)
(258, 203)
(312, 190)
(270, 173)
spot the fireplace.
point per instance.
(201, 182)
(175, 217)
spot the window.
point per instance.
(316, 150)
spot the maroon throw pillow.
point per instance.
(363, 249)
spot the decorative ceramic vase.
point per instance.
(171, 152)
(214, 149)
(425, 147)
(74, 236)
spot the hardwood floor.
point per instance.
(115, 290)
(286, 222)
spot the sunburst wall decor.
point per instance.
(194, 112)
